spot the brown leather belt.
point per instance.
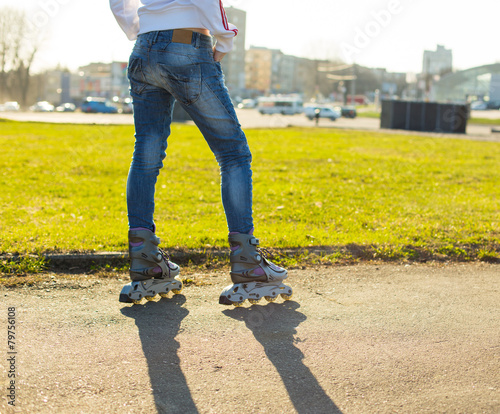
(182, 36)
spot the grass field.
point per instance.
(476, 121)
(346, 194)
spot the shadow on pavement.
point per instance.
(273, 325)
(159, 323)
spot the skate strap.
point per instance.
(253, 241)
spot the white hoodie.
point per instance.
(141, 16)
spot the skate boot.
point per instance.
(252, 274)
(151, 270)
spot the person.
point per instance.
(317, 113)
(174, 59)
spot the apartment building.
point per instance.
(259, 69)
(437, 62)
(233, 65)
(105, 80)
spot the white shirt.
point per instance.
(141, 16)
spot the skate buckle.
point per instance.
(253, 241)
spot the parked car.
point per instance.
(66, 107)
(478, 106)
(11, 106)
(98, 105)
(280, 104)
(324, 112)
(42, 106)
(347, 111)
(127, 108)
(247, 104)
(493, 104)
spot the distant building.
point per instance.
(494, 92)
(259, 69)
(270, 71)
(478, 83)
(283, 74)
(105, 80)
(306, 77)
(389, 84)
(437, 62)
(54, 86)
(233, 65)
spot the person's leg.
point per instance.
(151, 270)
(190, 74)
(152, 117)
(253, 275)
(214, 115)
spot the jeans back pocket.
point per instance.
(135, 75)
(183, 82)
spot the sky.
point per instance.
(391, 34)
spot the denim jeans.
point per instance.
(161, 72)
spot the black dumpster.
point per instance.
(424, 116)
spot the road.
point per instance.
(354, 339)
(250, 118)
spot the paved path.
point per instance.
(250, 118)
(355, 339)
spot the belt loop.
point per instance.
(155, 37)
(197, 40)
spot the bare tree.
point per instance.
(19, 43)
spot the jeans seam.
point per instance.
(140, 84)
(222, 103)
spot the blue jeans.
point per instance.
(160, 72)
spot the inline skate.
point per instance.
(151, 271)
(254, 277)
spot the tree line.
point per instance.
(19, 43)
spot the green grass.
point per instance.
(484, 121)
(476, 121)
(28, 264)
(369, 114)
(344, 194)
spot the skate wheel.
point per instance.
(286, 297)
(238, 304)
(164, 294)
(150, 298)
(136, 301)
(177, 291)
(270, 298)
(254, 301)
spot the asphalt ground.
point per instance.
(372, 338)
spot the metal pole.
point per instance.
(353, 84)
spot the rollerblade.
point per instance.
(151, 270)
(253, 276)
